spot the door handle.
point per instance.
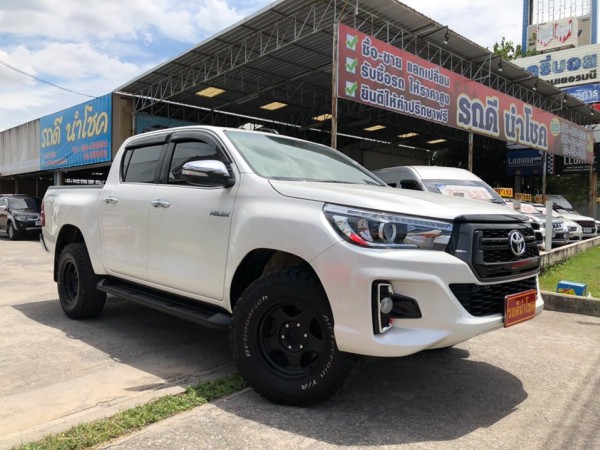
(160, 203)
(111, 200)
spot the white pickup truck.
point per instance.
(306, 256)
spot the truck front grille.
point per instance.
(489, 299)
(487, 248)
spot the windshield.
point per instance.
(24, 203)
(280, 158)
(473, 189)
(526, 208)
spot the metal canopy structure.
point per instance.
(284, 53)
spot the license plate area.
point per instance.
(519, 307)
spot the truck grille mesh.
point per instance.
(488, 300)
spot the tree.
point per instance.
(508, 51)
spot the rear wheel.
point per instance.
(77, 291)
(283, 342)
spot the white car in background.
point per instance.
(575, 230)
(588, 224)
(560, 230)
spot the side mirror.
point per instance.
(210, 173)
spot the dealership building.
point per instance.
(375, 79)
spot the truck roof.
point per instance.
(434, 172)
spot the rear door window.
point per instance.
(140, 164)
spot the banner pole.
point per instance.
(334, 86)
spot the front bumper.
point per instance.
(29, 226)
(423, 275)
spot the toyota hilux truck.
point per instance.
(307, 257)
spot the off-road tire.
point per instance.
(282, 339)
(76, 284)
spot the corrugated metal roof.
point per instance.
(284, 53)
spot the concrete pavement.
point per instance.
(534, 385)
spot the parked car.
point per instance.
(19, 214)
(560, 230)
(562, 206)
(301, 253)
(451, 181)
(588, 224)
(575, 230)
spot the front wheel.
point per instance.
(283, 342)
(77, 291)
(12, 233)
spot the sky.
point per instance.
(55, 54)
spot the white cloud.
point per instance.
(95, 46)
(484, 23)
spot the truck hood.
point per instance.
(384, 198)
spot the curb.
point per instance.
(575, 304)
(559, 254)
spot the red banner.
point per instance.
(381, 75)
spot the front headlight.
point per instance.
(387, 230)
(20, 218)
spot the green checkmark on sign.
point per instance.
(351, 41)
(351, 64)
(351, 88)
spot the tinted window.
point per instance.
(410, 184)
(189, 151)
(139, 164)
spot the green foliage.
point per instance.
(582, 268)
(104, 430)
(508, 51)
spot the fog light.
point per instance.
(385, 305)
(382, 306)
(388, 306)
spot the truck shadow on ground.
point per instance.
(165, 346)
(430, 396)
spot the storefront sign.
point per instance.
(77, 136)
(570, 67)
(588, 93)
(378, 74)
(524, 162)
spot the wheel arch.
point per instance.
(259, 262)
(68, 234)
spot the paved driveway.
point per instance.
(535, 385)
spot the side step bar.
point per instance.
(197, 312)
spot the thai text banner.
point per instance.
(570, 67)
(378, 74)
(77, 136)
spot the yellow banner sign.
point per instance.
(523, 197)
(504, 192)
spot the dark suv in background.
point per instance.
(19, 214)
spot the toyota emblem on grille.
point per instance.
(516, 242)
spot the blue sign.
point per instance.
(524, 162)
(148, 122)
(77, 136)
(588, 93)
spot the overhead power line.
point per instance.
(44, 81)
